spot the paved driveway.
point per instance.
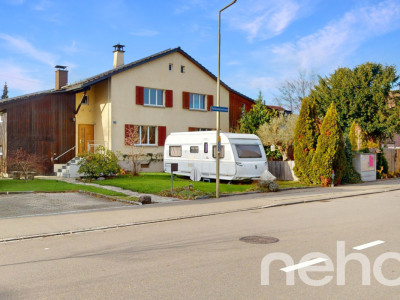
(31, 204)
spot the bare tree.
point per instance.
(25, 162)
(292, 92)
(134, 153)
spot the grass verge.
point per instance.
(42, 185)
(160, 184)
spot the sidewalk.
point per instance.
(41, 226)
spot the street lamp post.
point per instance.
(218, 142)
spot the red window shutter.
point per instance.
(210, 101)
(139, 95)
(162, 135)
(192, 128)
(185, 100)
(129, 134)
(169, 98)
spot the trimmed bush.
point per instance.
(305, 140)
(100, 163)
(330, 153)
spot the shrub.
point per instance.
(100, 163)
(25, 162)
(350, 174)
(330, 153)
(358, 138)
(305, 140)
(279, 131)
(382, 166)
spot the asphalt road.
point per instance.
(203, 258)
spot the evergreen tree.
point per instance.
(330, 153)
(361, 94)
(305, 140)
(258, 115)
(5, 92)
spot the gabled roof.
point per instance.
(86, 83)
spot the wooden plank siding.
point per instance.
(42, 124)
(235, 109)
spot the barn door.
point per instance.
(85, 137)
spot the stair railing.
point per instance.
(65, 153)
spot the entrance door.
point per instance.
(85, 135)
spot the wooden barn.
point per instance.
(40, 123)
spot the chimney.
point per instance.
(118, 55)
(61, 76)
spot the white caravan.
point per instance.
(242, 155)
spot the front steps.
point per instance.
(70, 169)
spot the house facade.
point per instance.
(152, 97)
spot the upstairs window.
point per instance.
(153, 97)
(197, 101)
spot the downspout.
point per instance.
(109, 113)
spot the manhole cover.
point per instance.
(255, 239)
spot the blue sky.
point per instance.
(263, 42)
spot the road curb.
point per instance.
(107, 227)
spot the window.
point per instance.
(194, 149)
(147, 135)
(182, 69)
(170, 67)
(175, 151)
(248, 151)
(205, 147)
(243, 109)
(153, 97)
(221, 154)
(197, 101)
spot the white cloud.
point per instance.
(18, 79)
(23, 46)
(261, 19)
(71, 49)
(145, 33)
(262, 83)
(333, 43)
(42, 5)
(184, 5)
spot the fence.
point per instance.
(392, 156)
(282, 170)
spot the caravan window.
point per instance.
(175, 151)
(221, 155)
(205, 147)
(248, 151)
(194, 149)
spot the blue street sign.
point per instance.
(219, 108)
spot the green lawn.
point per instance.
(41, 185)
(147, 183)
(158, 183)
